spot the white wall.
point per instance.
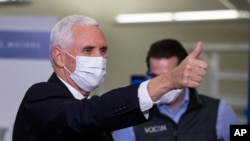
(17, 75)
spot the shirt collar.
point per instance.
(74, 92)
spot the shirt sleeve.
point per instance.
(145, 100)
(226, 117)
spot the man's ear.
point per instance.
(57, 56)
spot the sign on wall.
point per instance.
(24, 44)
(25, 37)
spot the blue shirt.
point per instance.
(226, 117)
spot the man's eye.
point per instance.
(87, 50)
(104, 50)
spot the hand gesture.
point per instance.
(190, 71)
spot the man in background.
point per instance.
(182, 114)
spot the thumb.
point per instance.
(197, 51)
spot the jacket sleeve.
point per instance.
(54, 112)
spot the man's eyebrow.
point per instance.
(88, 47)
(84, 48)
(104, 47)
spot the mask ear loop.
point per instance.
(67, 69)
(70, 56)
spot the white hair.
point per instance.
(61, 34)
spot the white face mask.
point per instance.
(170, 96)
(89, 72)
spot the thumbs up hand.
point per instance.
(190, 71)
(197, 51)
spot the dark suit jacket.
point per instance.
(49, 112)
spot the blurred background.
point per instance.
(226, 46)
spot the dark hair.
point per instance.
(166, 48)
